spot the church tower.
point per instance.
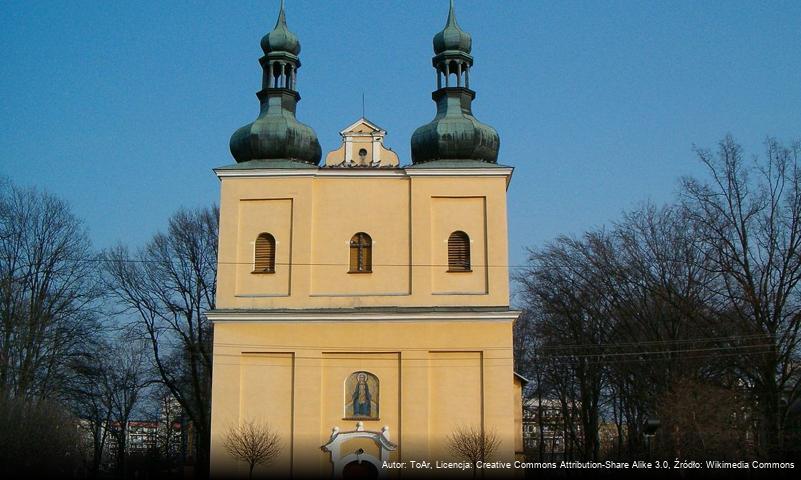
(363, 306)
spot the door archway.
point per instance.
(360, 471)
(358, 463)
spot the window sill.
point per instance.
(460, 271)
(371, 419)
(358, 271)
(262, 272)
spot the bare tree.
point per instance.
(170, 444)
(703, 420)
(663, 321)
(169, 285)
(706, 292)
(473, 444)
(619, 316)
(127, 375)
(567, 287)
(108, 388)
(529, 361)
(253, 443)
(92, 401)
(48, 289)
(749, 218)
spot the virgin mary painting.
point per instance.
(361, 395)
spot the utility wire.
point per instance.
(301, 264)
(446, 363)
(643, 343)
(655, 342)
(334, 354)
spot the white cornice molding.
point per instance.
(301, 316)
(505, 172)
(266, 172)
(457, 172)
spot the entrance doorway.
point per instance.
(360, 470)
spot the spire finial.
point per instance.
(281, 16)
(451, 16)
(452, 37)
(281, 39)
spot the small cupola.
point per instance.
(281, 39)
(452, 37)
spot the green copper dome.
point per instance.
(452, 37)
(281, 39)
(454, 133)
(276, 136)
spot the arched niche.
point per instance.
(362, 391)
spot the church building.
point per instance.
(362, 307)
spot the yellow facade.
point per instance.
(439, 342)
(362, 309)
(408, 213)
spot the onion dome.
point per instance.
(281, 39)
(276, 134)
(454, 135)
(452, 37)
(276, 137)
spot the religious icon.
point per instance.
(361, 395)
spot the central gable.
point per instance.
(362, 146)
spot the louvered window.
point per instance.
(361, 253)
(458, 252)
(264, 258)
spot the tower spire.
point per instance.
(276, 134)
(454, 134)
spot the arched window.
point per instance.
(361, 253)
(458, 252)
(264, 257)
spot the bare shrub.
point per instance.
(253, 443)
(473, 444)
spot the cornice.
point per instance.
(505, 172)
(267, 316)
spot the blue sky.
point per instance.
(123, 108)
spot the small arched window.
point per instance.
(264, 257)
(458, 252)
(361, 253)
